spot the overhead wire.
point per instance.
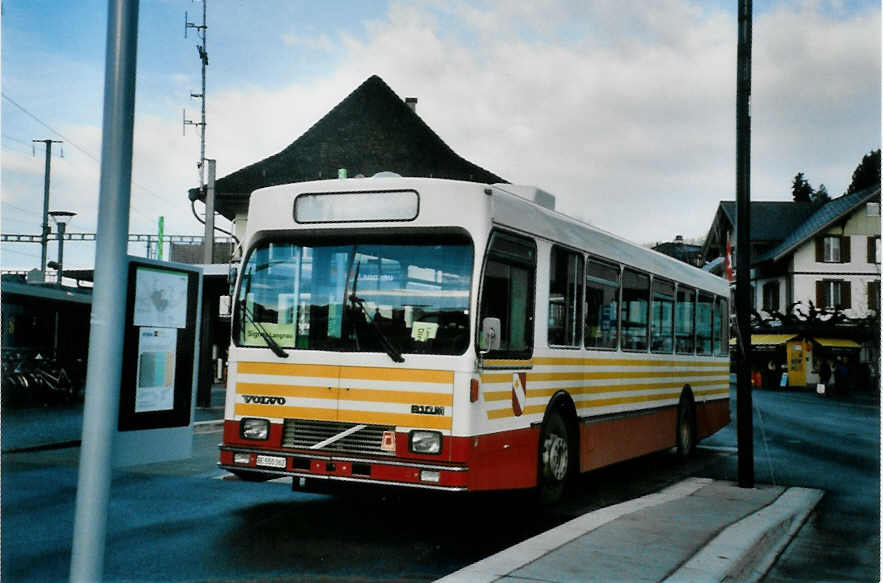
(85, 153)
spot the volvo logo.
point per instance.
(263, 400)
(427, 409)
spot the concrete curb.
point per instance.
(513, 558)
(745, 550)
(207, 426)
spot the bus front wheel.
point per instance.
(554, 459)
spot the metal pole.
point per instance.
(744, 422)
(160, 235)
(208, 240)
(45, 229)
(109, 294)
(61, 229)
(204, 59)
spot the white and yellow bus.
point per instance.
(462, 337)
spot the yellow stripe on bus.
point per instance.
(372, 417)
(584, 390)
(594, 361)
(333, 393)
(289, 370)
(534, 409)
(524, 363)
(303, 392)
(596, 375)
(253, 410)
(396, 375)
(407, 397)
(399, 419)
(347, 372)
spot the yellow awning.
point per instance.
(771, 339)
(767, 339)
(837, 343)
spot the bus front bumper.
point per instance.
(393, 472)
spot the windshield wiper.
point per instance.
(393, 352)
(271, 342)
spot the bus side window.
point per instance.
(602, 310)
(684, 320)
(721, 327)
(635, 303)
(507, 293)
(703, 323)
(662, 317)
(565, 297)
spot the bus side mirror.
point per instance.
(490, 335)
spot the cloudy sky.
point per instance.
(624, 110)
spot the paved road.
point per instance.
(178, 522)
(830, 444)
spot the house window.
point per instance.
(771, 296)
(565, 298)
(873, 209)
(832, 249)
(833, 293)
(874, 296)
(874, 249)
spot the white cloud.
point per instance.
(626, 111)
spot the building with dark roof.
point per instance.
(372, 130)
(815, 276)
(686, 252)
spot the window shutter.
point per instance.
(845, 295)
(820, 249)
(844, 250)
(871, 253)
(820, 295)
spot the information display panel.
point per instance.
(159, 350)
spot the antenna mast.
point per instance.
(203, 57)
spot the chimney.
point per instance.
(679, 238)
(412, 103)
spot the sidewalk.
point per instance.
(697, 530)
(62, 425)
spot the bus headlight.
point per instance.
(258, 429)
(425, 441)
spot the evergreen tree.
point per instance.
(801, 188)
(867, 173)
(821, 195)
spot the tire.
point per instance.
(685, 437)
(555, 459)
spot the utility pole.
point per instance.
(45, 227)
(744, 423)
(208, 241)
(203, 57)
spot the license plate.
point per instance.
(270, 461)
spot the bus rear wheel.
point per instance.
(554, 459)
(686, 430)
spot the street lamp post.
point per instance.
(61, 219)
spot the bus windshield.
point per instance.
(370, 295)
